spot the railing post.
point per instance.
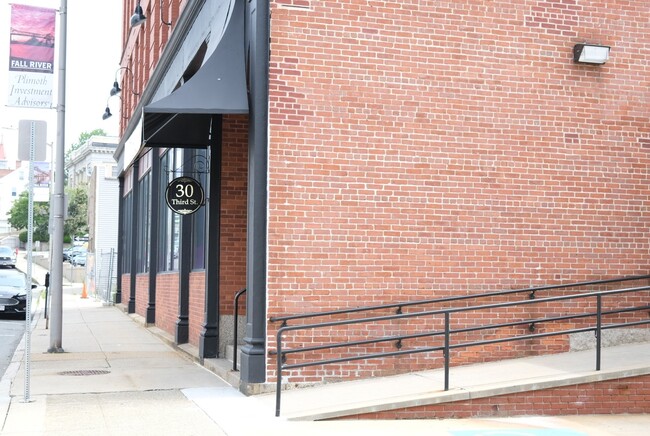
(599, 313)
(447, 351)
(236, 315)
(278, 373)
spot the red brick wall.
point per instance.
(629, 395)
(425, 149)
(234, 185)
(143, 46)
(141, 294)
(196, 306)
(167, 290)
(126, 288)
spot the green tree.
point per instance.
(18, 217)
(77, 222)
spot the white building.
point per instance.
(14, 180)
(12, 184)
(93, 165)
(96, 152)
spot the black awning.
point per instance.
(184, 117)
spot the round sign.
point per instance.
(184, 195)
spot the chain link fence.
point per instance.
(106, 275)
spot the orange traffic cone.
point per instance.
(84, 294)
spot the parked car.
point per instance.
(66, 254)
(13, 293)
(69, 253)
(7, 256)
(79, 259)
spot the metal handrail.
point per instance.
(448, 332)
(531, 327)
(236, 316)
(399, 306)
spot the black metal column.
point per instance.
(182, 322)
(185, 265)
(209, 340)
(133, 236)
(154, 236)
(257, 43)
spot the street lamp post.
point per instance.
(57, 202)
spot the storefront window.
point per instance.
(144, 224)
(198, 219)
(127, 221)
(170, 222)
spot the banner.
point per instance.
(31, 57)
(42, 180)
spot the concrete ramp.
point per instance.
(566, 383)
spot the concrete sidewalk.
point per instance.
(116, 377)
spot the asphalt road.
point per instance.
(11, 332)
(12, 329)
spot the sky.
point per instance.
(93, 50)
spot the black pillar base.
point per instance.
(131, 306)
(253, 361)
(151, 315)
(182, 331)
(209, 343)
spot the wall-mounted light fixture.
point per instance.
(138, 16)
(590, 54)
(116, 86)
(115, 89)
(107, 112)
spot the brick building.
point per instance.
(356, 153)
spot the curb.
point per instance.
(9, 376)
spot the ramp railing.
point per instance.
(592, 321)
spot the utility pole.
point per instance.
(57, 201)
